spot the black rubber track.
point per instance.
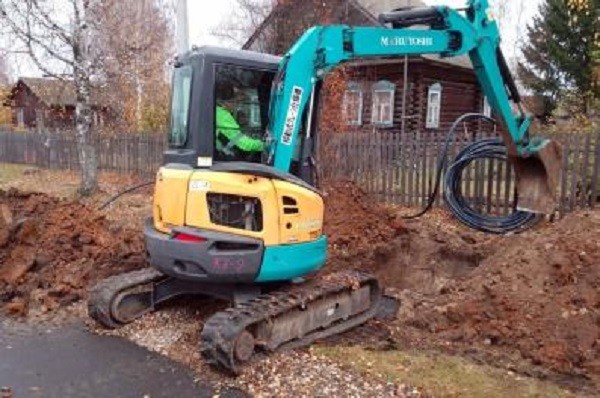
(222, 329)
(103, 294)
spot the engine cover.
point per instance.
(231, 226)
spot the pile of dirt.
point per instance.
(52, 250)
(354, 223)
(421, 254)
(537, 293)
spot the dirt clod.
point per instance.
(57, 248)
(5, 225)
(18, 263)
(16, 307)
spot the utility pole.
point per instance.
(182, 27)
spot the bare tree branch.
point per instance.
(27, 36)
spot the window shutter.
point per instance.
(434, 105)
(487, 109)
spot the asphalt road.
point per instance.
(70, 362)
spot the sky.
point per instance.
(204, 15)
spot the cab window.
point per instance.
(180, 105)
(241, 112)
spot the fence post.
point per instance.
(585, 201)
(574, 167)
(564, 176)
(596, 171)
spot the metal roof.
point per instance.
(54, 92)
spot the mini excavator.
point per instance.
(248, 227)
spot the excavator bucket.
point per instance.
(538, 178)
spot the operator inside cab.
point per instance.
(232, 143)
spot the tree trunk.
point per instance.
(83, 110)
(85, 145)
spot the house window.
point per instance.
(383, 104)
(487, 109)
(20, 117)
(434, 103)
(353, 104)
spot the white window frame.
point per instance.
(434, 106)
(20, 117)
(378, 106)
(486, 108)
(353, 88)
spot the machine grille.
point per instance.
(234, 211)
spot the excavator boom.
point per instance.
(432, 30)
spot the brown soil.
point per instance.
(55, 249)
(357, 228)
(533, 295)
(536, 293)
(352, 220)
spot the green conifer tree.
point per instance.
(558, 57)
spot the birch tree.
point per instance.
(4, 80)
(54, 34)
(92, 43)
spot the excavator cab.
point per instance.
(220, 101)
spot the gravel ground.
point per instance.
(174, 332)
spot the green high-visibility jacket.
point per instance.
(228, 127)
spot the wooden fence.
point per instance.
(397, 169)
(400, 169)
(127, 153)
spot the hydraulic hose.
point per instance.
(126, 191)
(490, 148)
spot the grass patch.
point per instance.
(441, 375)
(58, 183)
(10, 172)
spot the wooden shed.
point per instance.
(46, 103)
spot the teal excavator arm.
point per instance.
(432, 30)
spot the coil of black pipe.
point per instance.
(489, 148)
